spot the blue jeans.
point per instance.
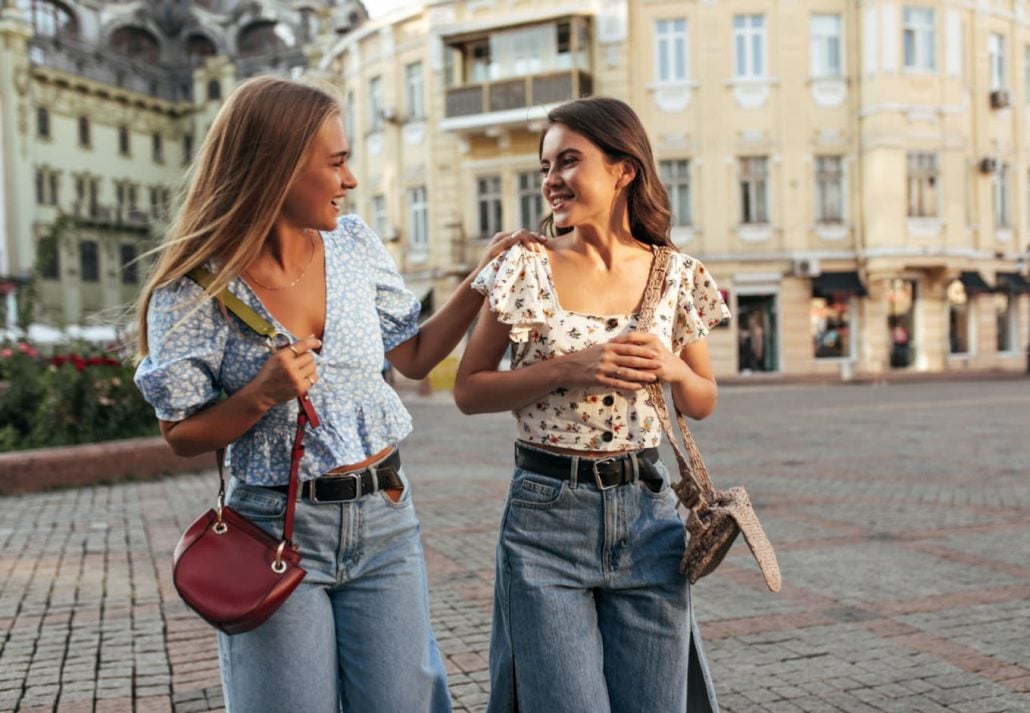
(591, 613)
(355, 634)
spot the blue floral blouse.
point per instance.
(368, 312)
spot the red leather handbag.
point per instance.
(227, 569)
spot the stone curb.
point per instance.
(88, 464)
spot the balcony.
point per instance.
(505, 101)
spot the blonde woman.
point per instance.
(262, 214)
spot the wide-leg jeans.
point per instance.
(591, 612)
(355, 635)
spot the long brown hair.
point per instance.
(613, 127)
(237, 186)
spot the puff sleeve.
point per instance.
(517, 290)
(700, 305)
(397, 306)
(180, 374)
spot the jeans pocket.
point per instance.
(530, 490)
(403, 500)
(256, 503)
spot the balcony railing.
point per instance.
(518, 93)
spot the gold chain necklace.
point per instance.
(299, 277)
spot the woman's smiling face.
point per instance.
(315, 198)
(580, 184)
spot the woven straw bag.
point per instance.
(715, 517)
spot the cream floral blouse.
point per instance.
(520, 290)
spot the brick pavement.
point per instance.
(900, 514)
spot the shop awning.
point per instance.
(974, 284)
(828, 284)
(1013, 282)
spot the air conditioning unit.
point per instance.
(1000, 99)
(806, 267)
(391, 234)
(388, 114)
(988, 165)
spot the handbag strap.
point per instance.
(692, 468)
(305, 413)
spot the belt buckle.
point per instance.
(597, 474)
(313, 493)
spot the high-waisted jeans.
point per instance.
(355, 634)
(591, 613)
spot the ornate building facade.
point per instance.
(856, 175)
(102, 106)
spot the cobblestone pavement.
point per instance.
(899, 513)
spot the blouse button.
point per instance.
(608, 400)
(613, 323)
(607, 436)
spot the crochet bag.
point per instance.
(715, 517)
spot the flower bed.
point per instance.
(67, 399)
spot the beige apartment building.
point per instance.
(854, 173)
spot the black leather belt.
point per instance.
(344, 487)
(606, 473)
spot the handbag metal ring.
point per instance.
(220, 528)
(279, 566)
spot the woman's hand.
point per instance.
(615, 364)
(671, 369)
(289, 372)
(502, 241)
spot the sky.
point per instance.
(378, 8)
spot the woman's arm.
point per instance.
(442, 332)
(689, 374)
(287, 374)
(481, 388)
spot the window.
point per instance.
(46, 186)
(531, 201)
(42, 122)
(380, 218)
(129, 272)
(123, 140)
(89, 265)
(157, 148)
(48, 18)
(749, 45)
(48, 257)
(671, 50)
(996, 61)
(214, 90)
(418, 229)
(675, 177)
(488, 192)
(414, 87)
(132, 195)
(348, 118)
(826, 46)
(1005, 313)
(829, 189)
(922, 185)
(830, 326)
(920, 37)
(375, 104)
(84, 138)
(93, 194)
(1001, 191)
(754, 190)
(187, 148)
(959, 318)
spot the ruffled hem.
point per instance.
(262, 456)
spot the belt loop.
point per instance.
(636, 466)
(574, 472)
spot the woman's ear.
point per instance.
(629, 173)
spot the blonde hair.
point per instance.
(237, 186)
